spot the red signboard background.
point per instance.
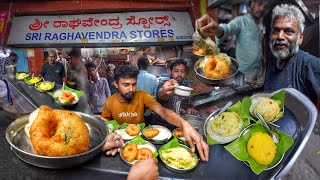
(3, 20)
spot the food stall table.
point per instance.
(300, 117)
(27, 98)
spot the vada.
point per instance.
(151, 133)
(178, 133)
(58, 133)
(144, 153)
(130, 152)
(132, 130)
(216, 67)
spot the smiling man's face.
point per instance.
(285, 38)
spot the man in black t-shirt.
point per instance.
(53, 71)
(165, 95)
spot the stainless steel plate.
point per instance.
(164, 132)
(198, 68)
(244, 131)
(177, 169)
(21, 145)
(149, 145)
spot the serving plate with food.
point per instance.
(61, 147)
(31, 81)
(21, 75)
(270, 106)
(129, 131)
(44, 86)
(257, 149)
(178, 158)
(66, 97)
(178, 133)
(157, 134)
(216, 69)
(137, 149)
(222, 128)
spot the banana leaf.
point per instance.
(112, 125)
(238, 148)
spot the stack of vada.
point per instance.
(131, 153)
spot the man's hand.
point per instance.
(193, 137)
(144, 170)
(113, 144)
(167, 89)
(209, 26)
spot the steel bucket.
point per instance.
(11, 71)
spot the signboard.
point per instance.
(133, 27)
(3, 20)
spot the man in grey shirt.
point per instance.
(249, 34)
(96, 88)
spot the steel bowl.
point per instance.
(21, 144)
(198, 68)
(183, 91)
(172, 168)
(43, 91)
(212, 115)
(26, 80)
(244, 131)
(152, 148)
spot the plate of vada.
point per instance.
(178, 157)
(214, 69)
(256, 148)
(67, 97)
(137, 149)
(270, 106)
(178, 133)
(56, 138)
(157, 134)
(129, 131)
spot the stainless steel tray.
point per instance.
(21, 145)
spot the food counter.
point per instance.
(300, 116)
(27, 98)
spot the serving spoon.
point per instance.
(275, 138)
(224, 108)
